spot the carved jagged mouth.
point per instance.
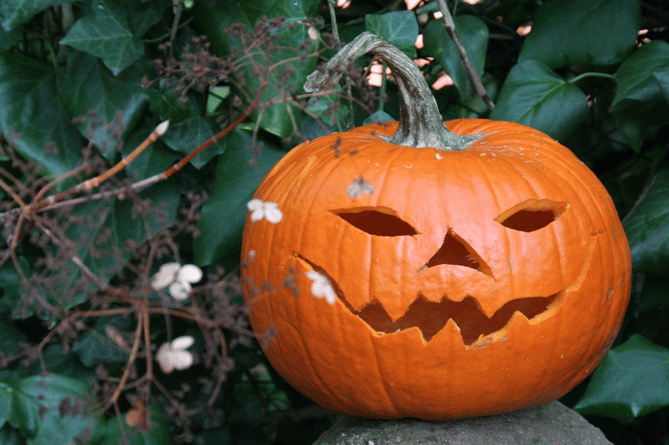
(431, 317)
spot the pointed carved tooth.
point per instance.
(449, 338)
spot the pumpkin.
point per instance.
(417, 269)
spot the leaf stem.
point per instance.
(593, 74)
(164, 36)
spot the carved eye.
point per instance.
(378, 221)
(457, 252)
(532, 214)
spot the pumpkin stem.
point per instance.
(420, 123)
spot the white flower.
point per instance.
(267, 210)
(177, 278)
(321, 287)
(171, 356)
(313, 33)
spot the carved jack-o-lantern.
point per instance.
(391, 281)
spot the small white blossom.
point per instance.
(267, 210)
(313, 33)
(177, 279)
(321, 287)
(165, 275)
(180, 290)
(171, 356)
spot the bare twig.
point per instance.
(449, 24)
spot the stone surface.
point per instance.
(549, 424)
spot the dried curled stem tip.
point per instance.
(162, 128)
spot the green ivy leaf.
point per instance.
(10, 285)
(635, 76)
(216, 97)
(61, 362)
(291, 9)
(330, 109)
(647, 228)
(289, 71)
(27, 92)
(473, 33)
(569, 32)
(10, 38)
(159, 434)
(239, 171)
(399, 28)
(662, 77)
(103, 249)
(515, 12)
(10, 436)
(283, 118)
(379, 117)
(105, 33)
(143, 15)
(630, 382)
(535, 96)
(654, 295)
(32, 405)
(102, 244)
(88, 86)
(155, 159)
(93, 347)
(10, 337)
(641, 98)
(185, 136)
(167, 106)
(15, 12)
(473, 107)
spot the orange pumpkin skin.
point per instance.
(488, 364)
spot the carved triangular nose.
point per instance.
(457, 252)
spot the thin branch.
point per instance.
(123, 163)
(449, 24)
(335, 33)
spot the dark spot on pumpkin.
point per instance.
(266, 337)
(336, 145)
